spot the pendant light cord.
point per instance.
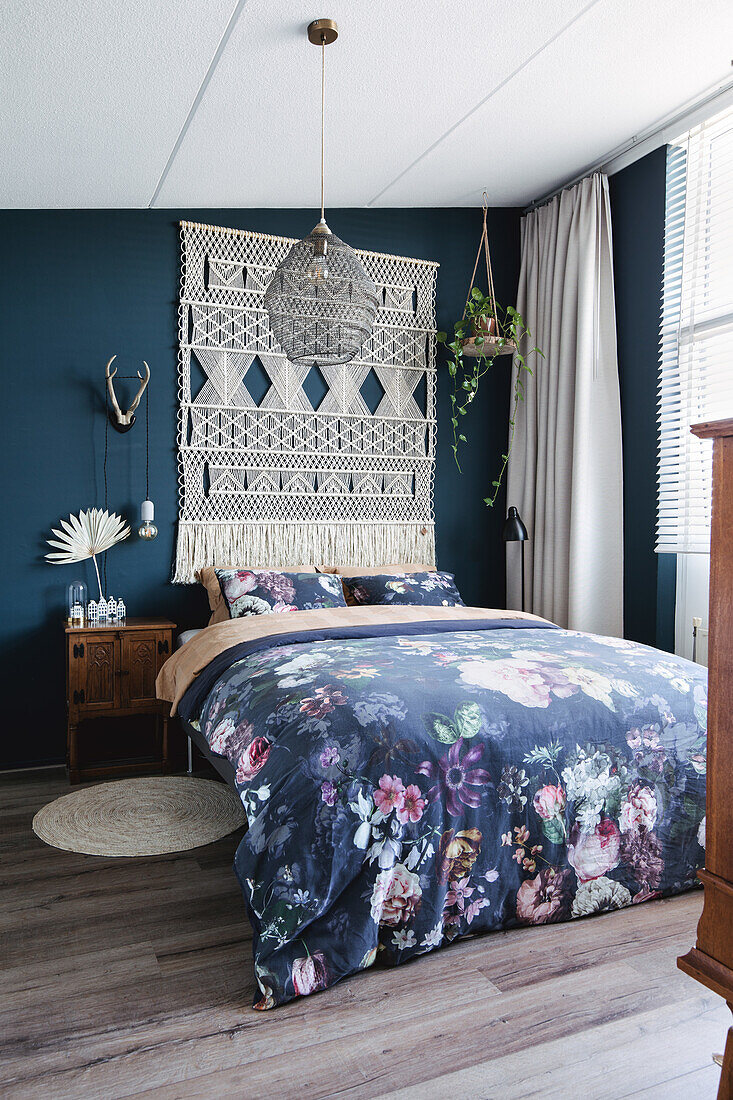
(323, 116)
(147, 441)
(106, 449)
(136, 378)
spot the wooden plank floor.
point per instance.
(133, 977)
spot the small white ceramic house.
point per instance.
(92, 612)
(102, 611)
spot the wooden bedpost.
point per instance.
(711, 960)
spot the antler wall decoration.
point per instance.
(123, 421)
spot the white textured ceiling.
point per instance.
(429, 102)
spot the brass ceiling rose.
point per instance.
(322, 32)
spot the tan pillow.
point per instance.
(218, 605)
(376, 570)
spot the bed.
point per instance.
(411, 775)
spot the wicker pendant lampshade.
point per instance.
(321, 302)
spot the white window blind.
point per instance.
(696, 356)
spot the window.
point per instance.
(696, 372)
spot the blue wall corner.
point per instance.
(637, 213)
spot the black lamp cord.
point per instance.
(147, 442)
(125, 377)
(106, 449)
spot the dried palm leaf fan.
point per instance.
(487, 324)
(321, 302)
(86, 535)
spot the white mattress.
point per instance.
(186, 636)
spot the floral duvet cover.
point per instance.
(404, 788)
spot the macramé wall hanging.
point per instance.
(278, 482)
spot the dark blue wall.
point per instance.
(78, 286)
(637, 212)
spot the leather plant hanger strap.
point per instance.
(483, 243)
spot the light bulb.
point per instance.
(317, 269)
(147, 529)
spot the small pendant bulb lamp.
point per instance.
(147, 529)
(321, 302)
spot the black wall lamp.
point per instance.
(515, 531)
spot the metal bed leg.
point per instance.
(190, 755)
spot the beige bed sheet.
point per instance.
(183, 666)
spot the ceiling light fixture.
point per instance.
(321, 302)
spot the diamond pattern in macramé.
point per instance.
(270, 480)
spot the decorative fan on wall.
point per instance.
(320, 301)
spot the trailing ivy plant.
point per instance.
(466, 371)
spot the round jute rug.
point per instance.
(140, 817)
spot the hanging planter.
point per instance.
(490, 345)
(485, 331)
(482, 313)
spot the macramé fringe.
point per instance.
(276, 545)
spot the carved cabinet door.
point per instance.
(93, 664)
(140, 665)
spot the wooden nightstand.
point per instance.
(110, 673)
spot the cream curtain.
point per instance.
(565, 469)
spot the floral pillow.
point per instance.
(260, 593)
(433, 589)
